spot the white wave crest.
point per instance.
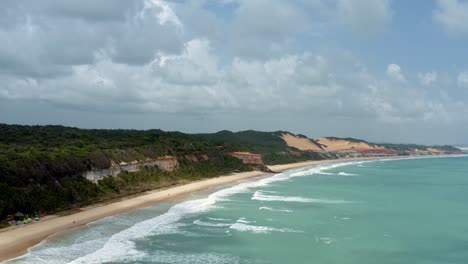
(324, 240)
(258, 195)
(275, 210)
(209, 224)
(218, 219)
(55, 254)
(244, 221)
(242, 227)
(325, 173)
(346, 174)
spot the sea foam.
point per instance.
(210, 224)
(245, 226)
(274, 210)
(258, 195)
(346, 174)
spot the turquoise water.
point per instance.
(400, 211)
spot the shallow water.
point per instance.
(398, 211)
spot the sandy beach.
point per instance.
(16, 241)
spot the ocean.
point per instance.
(390, 211)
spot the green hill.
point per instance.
(42, 167)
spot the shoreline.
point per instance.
(16, 242)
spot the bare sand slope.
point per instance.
(301, 143)
(341, 145)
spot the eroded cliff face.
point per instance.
(435, 151)
(196, 158)
(164, 163)
(249, 158)
(378, 152)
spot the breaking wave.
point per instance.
(244, 226)
(210, 224)
(258, 195)
(275, 210)
(346, 174)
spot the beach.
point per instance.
(15, 242)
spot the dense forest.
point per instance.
(41, 166)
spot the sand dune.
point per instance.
(330, 144)
(301, 143)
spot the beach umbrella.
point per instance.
(19, 214)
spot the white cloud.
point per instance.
(195, 66)
(463, 79)
(272, 29)
(394, 72)
(47, 39)
(452, 15)
(195, 81)
(159, 57)
(364, 17)
(427, 78)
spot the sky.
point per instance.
(381, 70)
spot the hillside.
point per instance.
(333, 144)
(363, 148)
(50, 168)
(271, 145)
(301, 142)
(412, 149)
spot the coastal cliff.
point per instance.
(165, 164)
(249, 158)
(50, 168)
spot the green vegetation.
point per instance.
(41, 167)
(269, 144)
(252, 140)
(76, 191)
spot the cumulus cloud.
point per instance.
(47, 39)
(394, 72)
(427, 78)
(452, 15)
(463, 79)
(365, 17)
(150, 56)
(253, 26)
